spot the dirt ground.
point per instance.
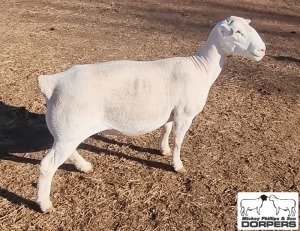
(246, 139)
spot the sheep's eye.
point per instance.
(239, 32)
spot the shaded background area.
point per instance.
(246, 139)
(22, 131)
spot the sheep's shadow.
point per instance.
(24, 132)
(16, 199)
(286, 58)
(26, 160)
(149, 163)
(129, 145)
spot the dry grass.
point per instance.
(247, 138)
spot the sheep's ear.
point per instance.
(229, 20)
(226, 30)
(248, 20)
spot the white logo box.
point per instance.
(267, 211)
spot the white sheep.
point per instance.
(136, 97)
(284, 204)
(251, 204)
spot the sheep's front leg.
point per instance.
(80, 163)
(181, 127)
(165, 148)
(242, 211)
(258, 210)
(277, 210)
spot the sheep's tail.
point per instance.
(47, 84)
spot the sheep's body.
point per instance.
(284, 204)
(133, 98)
(125, 97)
(251, 204)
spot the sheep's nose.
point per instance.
(263, 49)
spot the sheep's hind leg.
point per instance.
(293, 211)
(80, 163)
(246, 213)
(165, 148)
(59, 153)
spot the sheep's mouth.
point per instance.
(255, 55)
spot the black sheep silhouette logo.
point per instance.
(251, 204)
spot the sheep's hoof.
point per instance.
(181, 170)
(167, 153)
(49, 210)
(86, 168)
(47, 207)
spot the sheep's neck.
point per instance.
(210, 59)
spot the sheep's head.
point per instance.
(237, 37)
(272, 197)
(263, 197)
